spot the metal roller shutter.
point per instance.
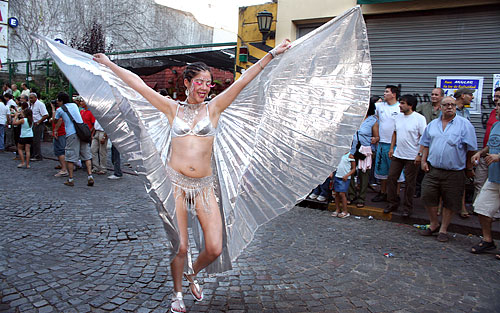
(411, 49)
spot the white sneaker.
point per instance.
(321, 198)
(312, 196)
(114, 177)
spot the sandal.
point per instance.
(196, 292)
(20, 165)
(429, 231)
(177, 305)
(335, 214)
(464, 214)
(344, 215)
(483, 246)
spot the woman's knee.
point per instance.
(213, 250)
(183, 248)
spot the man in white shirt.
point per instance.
(4, 120)
(408, 128)
(6, 89)
(25, 90)
(40, 114)
(10, 101)
(386, 113)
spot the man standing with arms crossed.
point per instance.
(408, 130)
(447, 146)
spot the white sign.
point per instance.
(4, 35)
(3, 55)
(4, 12)
(450, 84)
(496, 83)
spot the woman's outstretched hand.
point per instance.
(283, 46)
(101, 58)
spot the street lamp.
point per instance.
(265, 19)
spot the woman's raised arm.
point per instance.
(222, 101)
(167, 106)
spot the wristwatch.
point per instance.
(419, 154)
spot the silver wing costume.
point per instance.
(281, 137)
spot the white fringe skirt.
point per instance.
(192, 189)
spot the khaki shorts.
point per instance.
(75, 149)
(488, 201)
(447, 184)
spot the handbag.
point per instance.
(82, 130)
(358, 155)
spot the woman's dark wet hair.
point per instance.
(194, 69)
(27, 113)
(371, 106)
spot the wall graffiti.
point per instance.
(422, 98)
(486, 107)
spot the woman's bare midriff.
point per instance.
(192, 156)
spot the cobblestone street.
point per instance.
(103, 248)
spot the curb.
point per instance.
(378, 213)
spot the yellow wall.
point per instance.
(292, 12)
(248, 33)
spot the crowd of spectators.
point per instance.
(432, 148)
(23, 124)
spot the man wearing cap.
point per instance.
(87, 116)
(447, 146)
(463, 97)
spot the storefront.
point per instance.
(411, 49)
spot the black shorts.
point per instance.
(447, 184)
(26, 140)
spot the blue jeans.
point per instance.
(2, 136)
(115, 159)
(323, 189)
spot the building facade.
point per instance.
(412, 42)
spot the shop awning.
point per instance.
(222, 59)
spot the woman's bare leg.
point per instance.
(177, 265)
(211, 223)
(20, 152)
(28, 154)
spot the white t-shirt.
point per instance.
(386, 114)
(409, 129)
(3, 113)
(39, 110)
(11, 102)
(344, 166)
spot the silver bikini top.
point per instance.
(203, 128)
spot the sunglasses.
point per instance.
(199, 82)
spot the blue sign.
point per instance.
(59, 40)
(13, 22)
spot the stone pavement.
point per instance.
(102, 249)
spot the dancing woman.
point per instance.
(193, 129)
